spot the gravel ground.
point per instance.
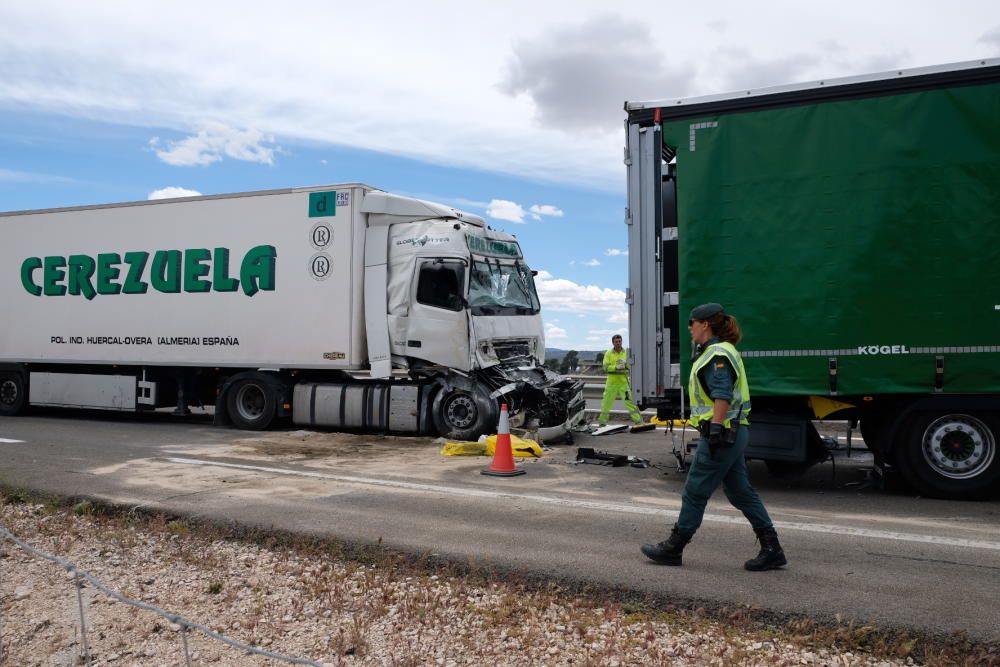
(304, 601)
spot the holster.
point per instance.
(726, 439)
(728, 434)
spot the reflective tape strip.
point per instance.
(713, 349)
(859, 351)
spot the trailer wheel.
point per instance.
(463, 414)
(952, 455)
(12, 394)
(252, 403)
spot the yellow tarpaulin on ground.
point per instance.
(666, 422)
(464, 449)
(519, 447)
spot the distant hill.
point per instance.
(558, 354)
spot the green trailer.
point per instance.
(853, 227)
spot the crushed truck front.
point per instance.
(463, 310)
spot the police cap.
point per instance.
(706, 311)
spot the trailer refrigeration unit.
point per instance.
(265, 303)
(853, 227)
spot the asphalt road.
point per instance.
(855, 552)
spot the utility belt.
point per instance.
(728, 434)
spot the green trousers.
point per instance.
(728, 468)
(617, 388)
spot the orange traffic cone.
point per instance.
(503, 457)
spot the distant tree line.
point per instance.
(567, 365)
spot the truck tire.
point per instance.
(13, 398)
(951, 454)
(464, 414)
(252, 403)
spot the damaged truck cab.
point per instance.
(461, 312)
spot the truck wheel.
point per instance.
(12, 396)
(952, 455)
(462, 414)
(252, 404)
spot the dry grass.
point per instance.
(362, 605)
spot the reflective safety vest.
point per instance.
(702, 404)
(611, 359)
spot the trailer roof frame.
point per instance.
(966, 73)
(174, 200)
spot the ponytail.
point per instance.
(726, 328)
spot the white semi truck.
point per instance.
(266, 304)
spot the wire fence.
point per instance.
(184, 624)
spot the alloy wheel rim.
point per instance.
(8, 392)
(958, 446)
(461, 411)
(250, 402)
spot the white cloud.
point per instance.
(578, 73)
(553, 332)
(537, 211)
(591, 262)
(619, 318)
(172, 192)
(559, 294)
(991, 38)
(541, 99)
(616, 252)
(502, 209)
(213, 142)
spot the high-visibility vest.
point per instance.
(702, 404)
(611, 361)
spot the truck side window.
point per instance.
(440, 284)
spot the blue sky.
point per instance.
(495, 108)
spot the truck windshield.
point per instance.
(502, 289)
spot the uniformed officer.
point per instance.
(616, 366)
(720, 407)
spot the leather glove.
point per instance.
(621, 364)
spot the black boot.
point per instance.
(771, 555)
(668, 552)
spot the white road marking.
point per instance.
(8, 441)
(602, 506)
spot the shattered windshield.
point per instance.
(502, 289)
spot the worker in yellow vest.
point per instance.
(617, 367)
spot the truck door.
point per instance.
(653, 286)
(438, 329)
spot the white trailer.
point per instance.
(264, 303)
